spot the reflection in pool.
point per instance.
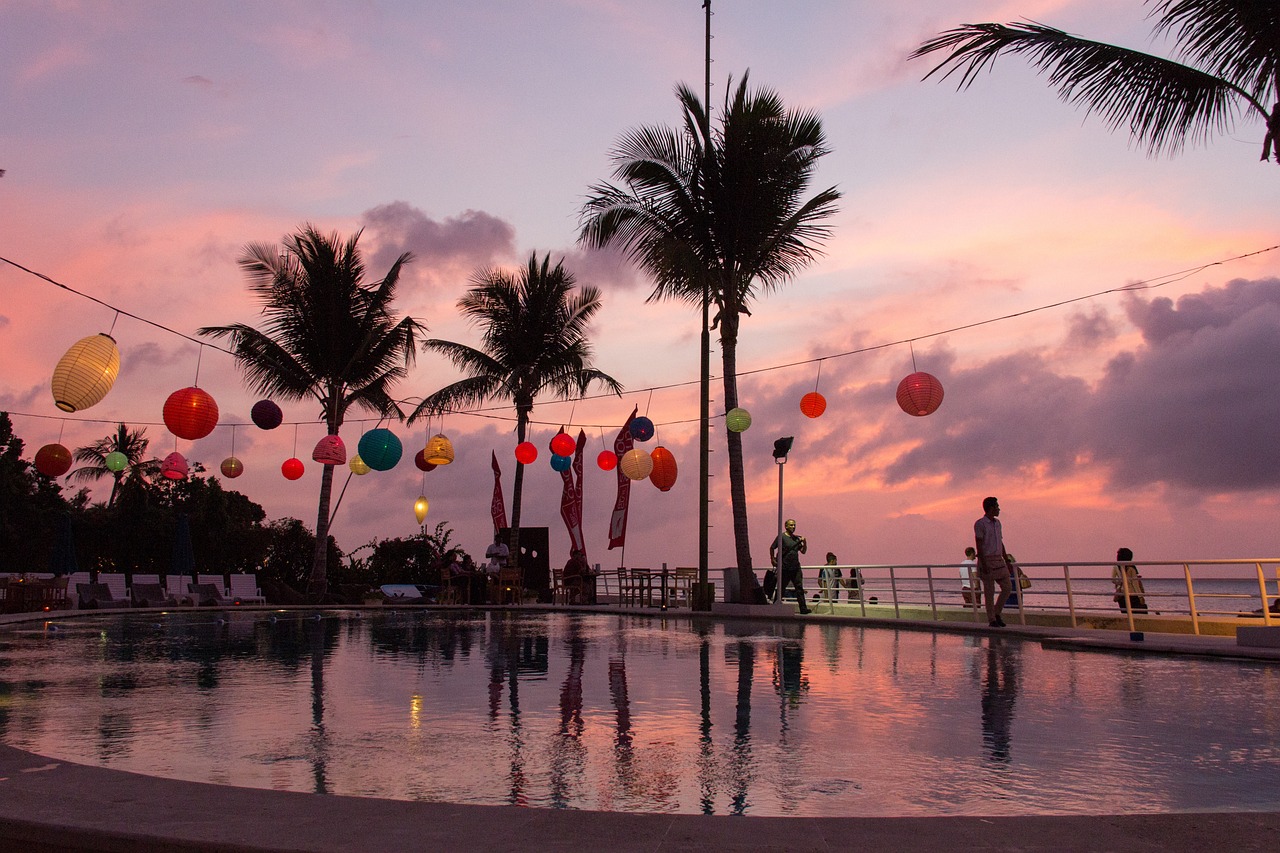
(627, 713)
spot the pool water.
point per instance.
(626, 713)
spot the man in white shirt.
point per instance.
(496, 555)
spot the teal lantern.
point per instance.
(561, 463)
(380, 449)
(116, 461)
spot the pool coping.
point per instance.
(49, 804)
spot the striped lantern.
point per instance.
(636, 464)
(85, 373)
(330, 451)
(663, 474)
(737, 420)
(920, 394)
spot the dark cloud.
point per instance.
(607, 269)
(471, 239)
(1085, 332)
(1195, 406)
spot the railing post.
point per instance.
(1191, 600)
(1262, 587)
(933, 603)
(893, 588)
(1071, 600)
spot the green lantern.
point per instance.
(116, 461)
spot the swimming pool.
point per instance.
(628, 713)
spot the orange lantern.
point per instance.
(813, 404)
(439, 450)
(174, 466)
(292, 469)
(190, 413)
(636, 464)
(920, 394)
(330, 451)
(663, 474)
(232, 467)
(53, 460)
(526, 452)
(85, 373)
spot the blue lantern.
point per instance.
(561, 463)
(380, 449)
(641, 428)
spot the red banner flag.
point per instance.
(618, 521)
(571, 498)
(498, 509)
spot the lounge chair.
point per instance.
(97, 596)
(402, 593)
(150, 595)
(207, 595)
(244, 589)
(217, 580)
(115, 581)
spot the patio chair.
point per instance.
(97, 596)
(73, 580)
(244, 589)
(150, 595)
(510, 586)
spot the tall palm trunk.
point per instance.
(318, 586)
(517, 487)
(737, 477)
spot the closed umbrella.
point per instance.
(184, 557)
(63, 561)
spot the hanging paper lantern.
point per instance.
(358, 467)
(526, 452)
(174, 466)
(190, 413)
(607, 460)
(562, 444)
(380, 449)
(813, 404)
(636, 464)
(292, 468)
(920, 394)
(420, 507)
(330, 451)
(641, 428)
(737, 420)
(439, 450)
(85, 373)
(116, 461)
(53, 460)
(232, 467)
(266, 414)
(420, 460)
(663, 474)
(560, 463)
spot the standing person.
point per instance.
(785, 551)
(1126, 573)
(969, 575)
(496, 555)
(828, 579)
(993, 563)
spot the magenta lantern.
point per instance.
(292, 469)
(920, 394)
(421, 461)
(190, 413)
(174, 466)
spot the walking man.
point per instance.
(993, 565)
(785, 553)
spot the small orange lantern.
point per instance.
(663, 474)
(813, 404)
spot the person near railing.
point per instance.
(969, 575)
(993, 565)
(828, 579)
(1125, 574)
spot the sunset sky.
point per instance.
(146, 143)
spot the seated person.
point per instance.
(579, 579)
(496, 555)
(1126, 574)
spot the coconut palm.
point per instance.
(724, 211)
(132, 443)
(328, 336)
(1231, 50)
(533, 342)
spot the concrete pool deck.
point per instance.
(49, 804)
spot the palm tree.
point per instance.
(721, 213)
(328, 336)
(132, 443)
(1232, 53)
(533, 342)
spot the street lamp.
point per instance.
(781, 448)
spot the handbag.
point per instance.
(1024, 582)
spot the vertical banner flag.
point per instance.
(571, 498)
(618, 521)
(498, 509)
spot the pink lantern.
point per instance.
(53, 460)
(526, 452)
(607, 460)
(174, 466)
(813, 404)
(562, 444)
(190, 413)
(292, 469)
(330, 451)
(920, 394)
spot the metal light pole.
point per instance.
(781, 448)
(703, 595)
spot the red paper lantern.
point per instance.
(920, 394)
(232, 467)
(53, 460)
(292, 469)
(607, 460)
(421, 461)
(330, 451)
(562, 444)
(663, 474)
(266, 414)
(174, 466)
(526, 452)
(813, 404)
(190, 413)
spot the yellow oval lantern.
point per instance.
(420, 507)
(85, 373)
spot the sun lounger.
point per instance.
(402, 593)
(244, 589)
(97, 596)
(115, 582)
(207, 595)
(150, 595)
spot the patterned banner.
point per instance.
(498, 509)
(571, 498)
(618, 521)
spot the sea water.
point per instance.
(636, 714)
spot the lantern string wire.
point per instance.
(199, 356)
(486, 412)
(818, 377)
